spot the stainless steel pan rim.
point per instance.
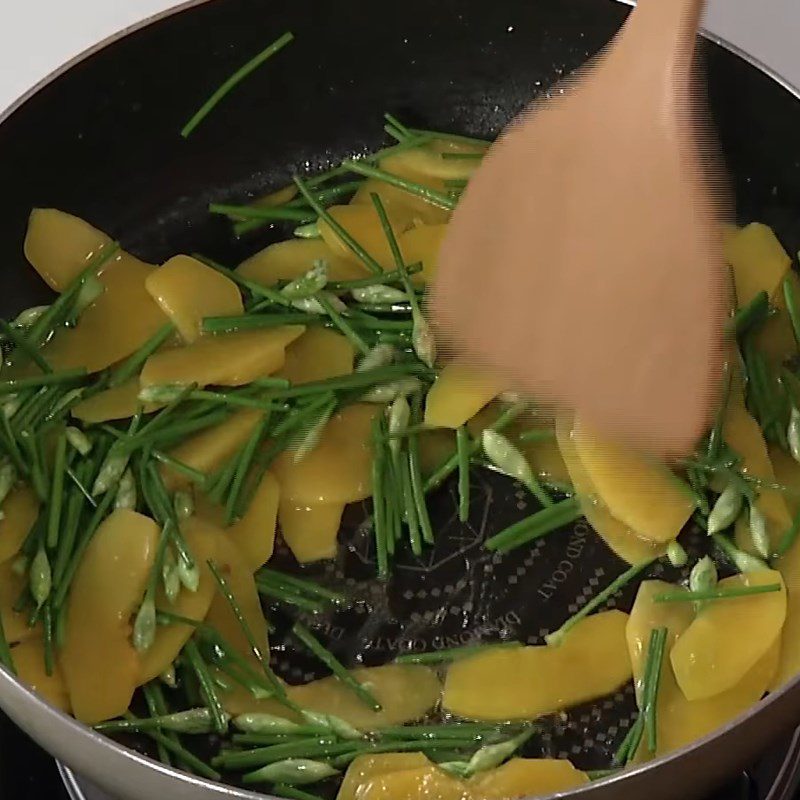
(14, 693)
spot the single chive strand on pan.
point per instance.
(255, 648)
(293, 793)
(342, 324)
(453, 653)
(243, 462)
(427, 194)
(462, 446)
(234, 80)
(157, 706)
(598, 600)
(788, 538)
(304, 586)
(261, 212)
(630, 744)
(207, 688)
(652, 681)
(133, 364)
(6, 658)
(536, 525)
(415, 474)
(338, 229)
(716, 594)
(56, 492)
(180, 752)
(46, 379)
(792, 307)
(379, 509)
(335, 666)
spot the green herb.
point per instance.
(234, 80)
(293, 793)
(40, 577)
(266, 213)
(509, 460)
(20, 341)
(598, 600)
(303, 586)
(338, 229)
(703, 576)
(793, 433)
(192, 721)
(462, 445)
(676, 554)
(48, 379)
(172, 746)
(454, 653)
(792, 307)
(744, 562)
(379, 514)
(135, 362)
(417, 189)
(342, 324)
(652, 680)
(6, 659)
(256, 722)
(716, 594)
(630, 744)
(250, 322)
(255, 648)
(536, 525)
(758, 531)
(493, 755)
(293, 771)
(750, 316)
(725, 510)
(788, 538)
(209, 693)
(450, 465)
(335, 666)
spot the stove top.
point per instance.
(28, 773)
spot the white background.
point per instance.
(36, 36)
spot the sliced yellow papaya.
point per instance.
(758, 260)
(210, 449)
(421, 245)
(681, 721)
(310, 531)
(414, 784)
(421, 210)
(187, 291)
(435, 447)
(285, 261)
(526, 777)
(728, 637)
(119, 402)
(460, 391)
(60, 246)
(527, 682)
(407, 692)
(318, 354)
(364, 768)
(254, 533)
(743, 434)
(626, 543)
(115, 568)
(29, 663)
(364, 225)
(339, 469)
(115, 325)
(430, 162)
(20, 509)
(229, 359)
(15, 624)
(201, 539)
(639, 492)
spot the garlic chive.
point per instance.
(494, 755)
(758, 532)
(170, 577)
(255, 722)
(459, 769)
(27, 317)
(725, 510)
(188, 574)
(312, 434)
(191, 721)
(744, 562)
(10, 405)
(399, 415)
(422, 339)
(161, 393)
(510, 460)
(79, 440)
(309, 231)
(126, 496)
(111, 471)
(338, 726)
(378, 293)
(793, 434)
(8, 477)
(183, 502)
(144, 626)
(391, 391)
(89, 292)
(676, 554)
(382, 355)
(40, 577)
(706, 595)
(308, 285)
(293, 771)
(168, 678)
(20, 566)
(703, 575)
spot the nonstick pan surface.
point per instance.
(101, 141)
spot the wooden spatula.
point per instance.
(584, 260)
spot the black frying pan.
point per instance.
(101, 141)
